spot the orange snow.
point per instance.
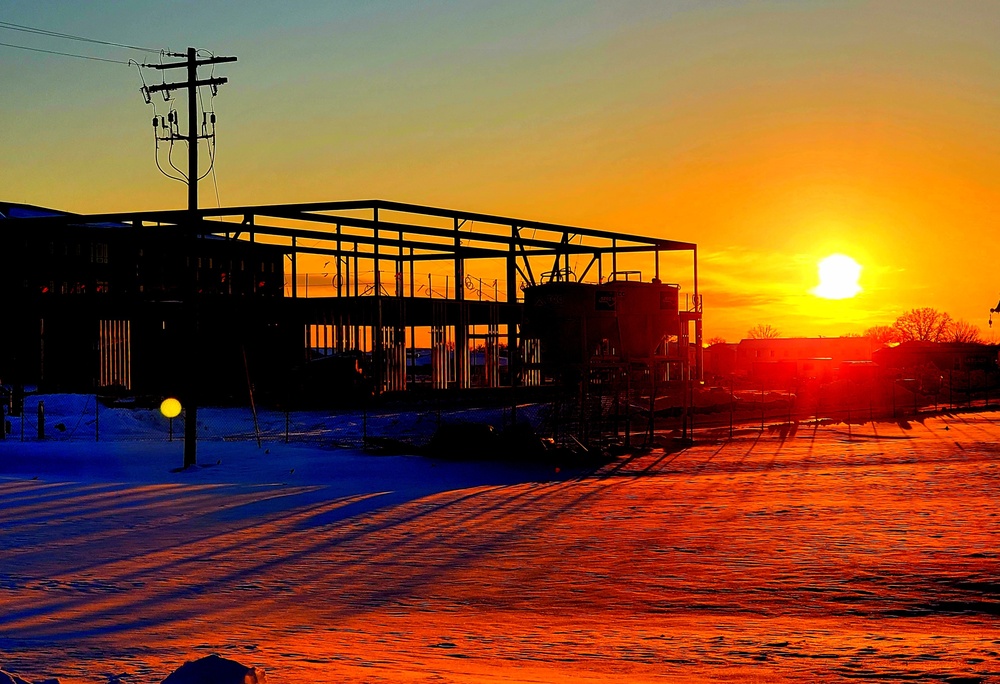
(817, 557)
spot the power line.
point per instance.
(64, 54)
(68, 36)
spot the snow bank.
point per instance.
(215, 669)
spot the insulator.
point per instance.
(170, 116)
(156, 122)
(213, 117)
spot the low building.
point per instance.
(945, 356)
(782, 360)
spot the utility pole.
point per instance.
(171, 133)
(191, 63)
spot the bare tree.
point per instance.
(715, 340)
(963, 331)
(882, 334)
(763, 331)
(923, 325)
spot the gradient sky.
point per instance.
(770, 133)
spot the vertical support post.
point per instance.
(413, 329)
(340, 278)
(295, 271)
(732, 402)
(377, 260)
(461, 325)
(191, 400)
(699, 353)
(192, 97)
(513, 351)
(378, 343)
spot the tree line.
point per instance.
(924, 324)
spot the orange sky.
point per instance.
(772, 134)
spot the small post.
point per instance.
(170, 429)
(41, 420)
(732, 402)
(762, 406)
(894, 398)
(628, 408)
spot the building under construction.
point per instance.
(286, 297)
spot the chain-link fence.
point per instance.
(633, 414)
(77, 417)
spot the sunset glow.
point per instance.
(761, 131)
(838, 277)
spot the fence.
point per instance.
(75, 418)
(635, 415)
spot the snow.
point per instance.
(809, 555)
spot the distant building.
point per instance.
(955, 356)
(720, 360)
(782, 360)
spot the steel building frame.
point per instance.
(376, 232)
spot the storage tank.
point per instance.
(582, 323)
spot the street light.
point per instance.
(171, 408)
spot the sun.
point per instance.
(838, 277)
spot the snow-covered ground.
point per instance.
(82, 418)
(816, 555)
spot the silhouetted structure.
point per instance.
(98, 296)
(778, 361)
(945, 356)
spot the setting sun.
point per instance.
(838, 277)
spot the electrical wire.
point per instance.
(211, 143)
(69, 36)
(156, 158)
(65, 54)
(170, 159)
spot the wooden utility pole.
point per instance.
(191, 63)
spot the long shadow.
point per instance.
(137, 607)
(240, 542)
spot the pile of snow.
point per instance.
(215, 669)
(10, 678)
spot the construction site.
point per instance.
(338, 303)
